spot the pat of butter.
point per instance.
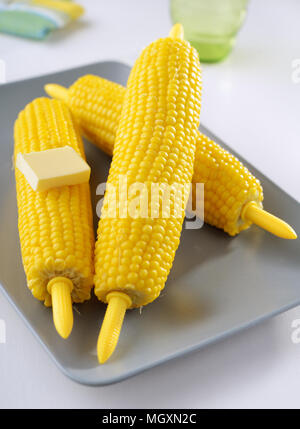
(53, 168)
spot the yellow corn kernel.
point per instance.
(55, 226)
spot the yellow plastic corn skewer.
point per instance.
(60, 289)
(55, 226)
(230, 189)
(57, 91)
(118, 303)
(267, 221)
(133, 256)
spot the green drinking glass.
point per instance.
(210, 26)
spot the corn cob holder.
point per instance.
(55, 226)
(133, 256)
(233, 196)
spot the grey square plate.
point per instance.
(218, 285)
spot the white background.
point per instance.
(251, 101)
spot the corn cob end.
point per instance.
(118, 303)
(56, 91)
(60, 290)
(253, 213)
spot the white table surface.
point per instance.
(251, 101)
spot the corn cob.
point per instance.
(55, 226)
(233, 196)
(155, 143)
